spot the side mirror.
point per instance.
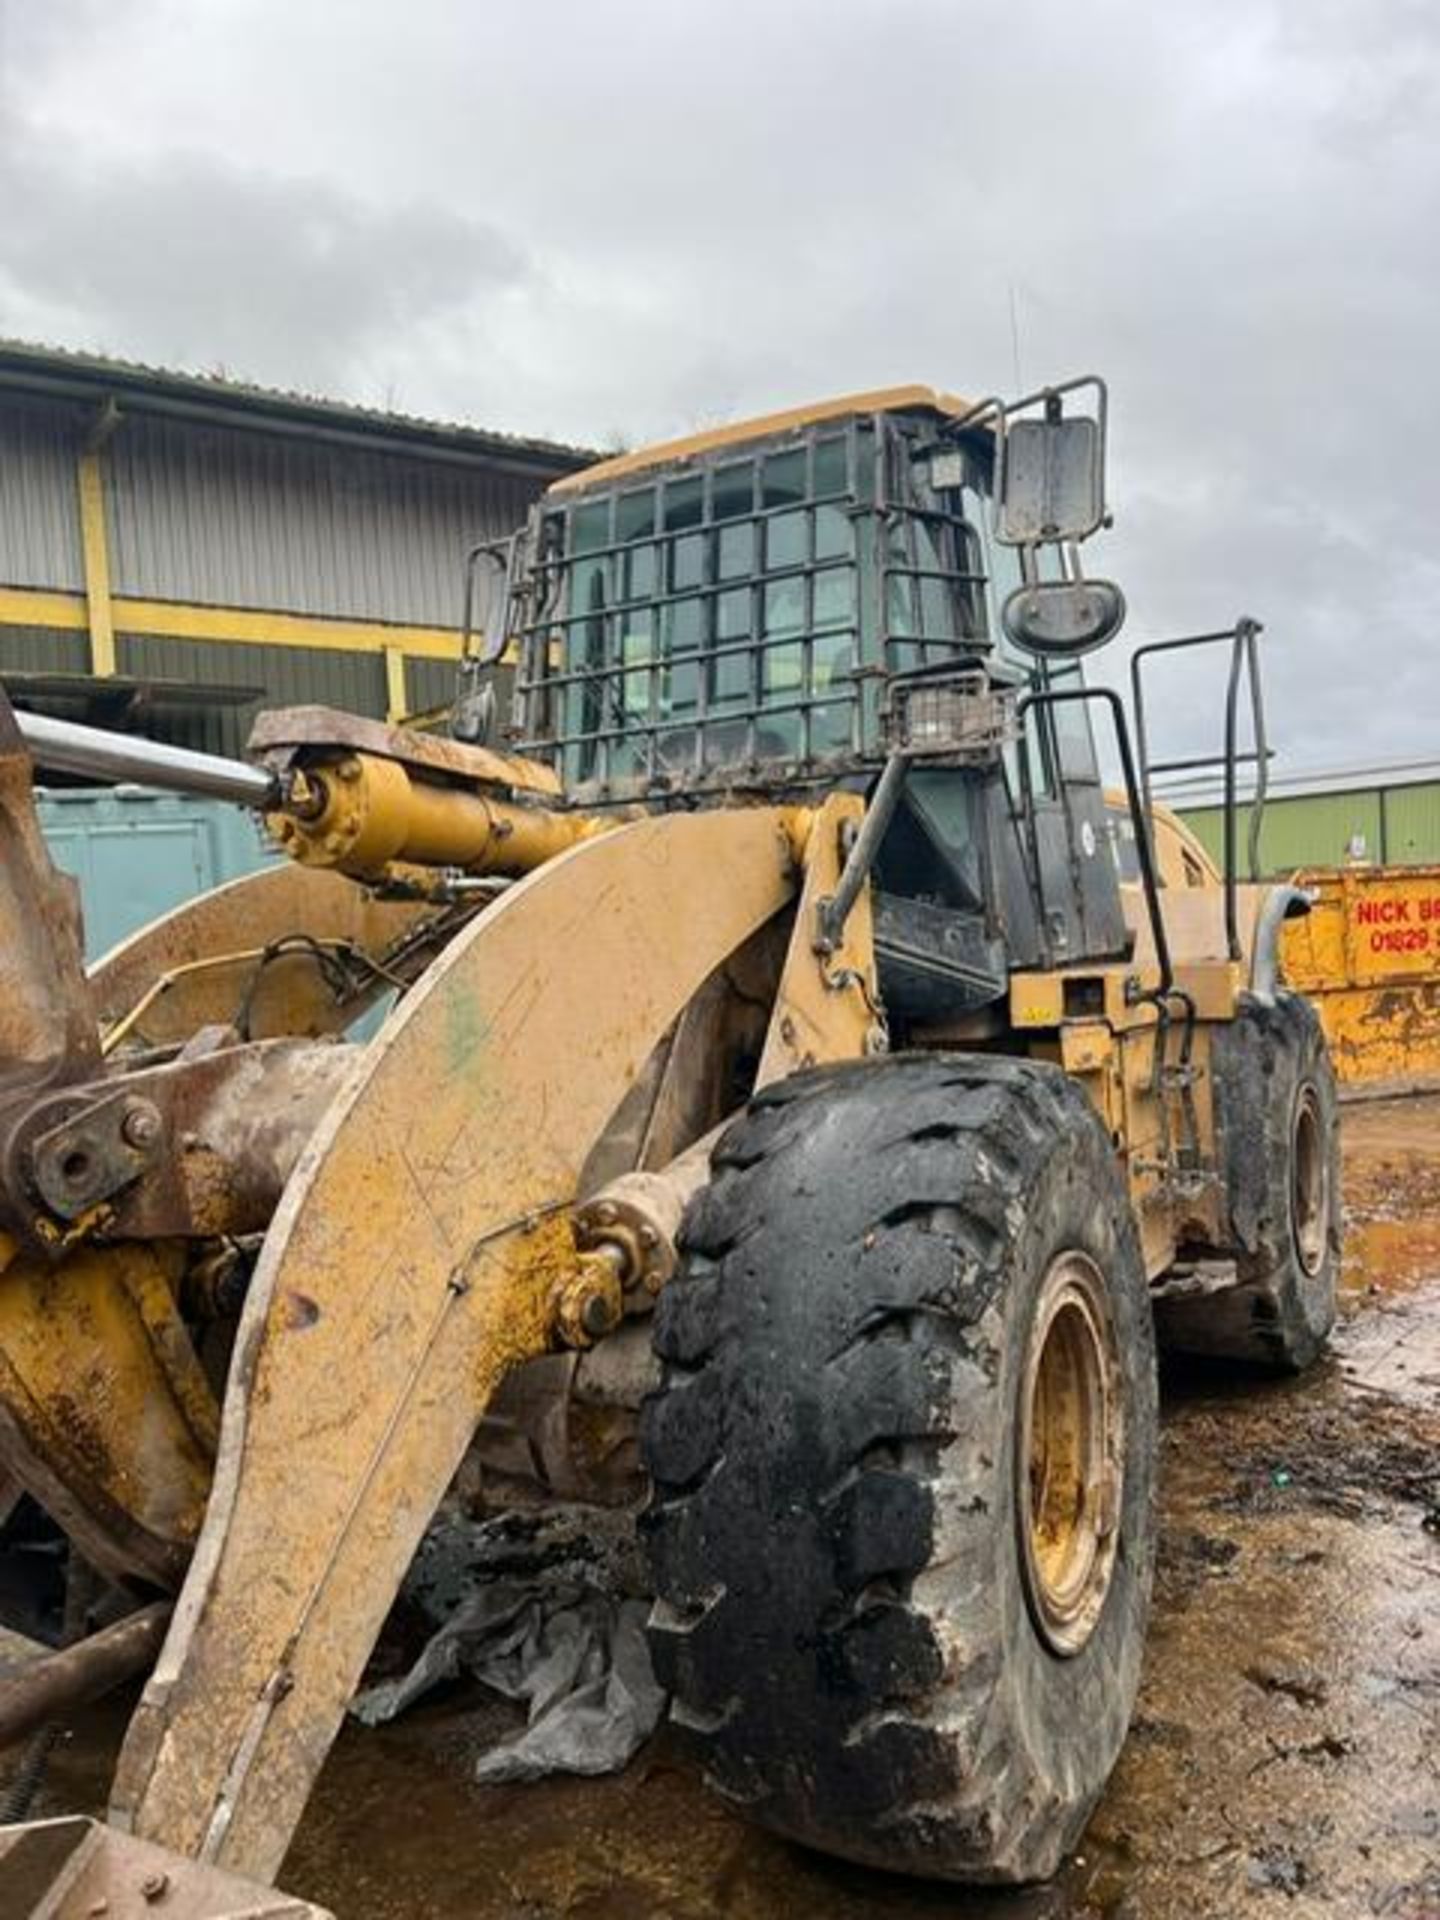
(494, 557)
(1063, 616)
(475, 713)
(1052, 480)
(1050, 491)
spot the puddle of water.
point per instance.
(1387, 1257)
(1397, 1351)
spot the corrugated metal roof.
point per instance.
(41, 369)
(39, 523)
(222, 518)
(291, 676)
(1208, 790)
(42, 650)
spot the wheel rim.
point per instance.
(1309, 1182)
(1070, 1465)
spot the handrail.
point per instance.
(1244, 656)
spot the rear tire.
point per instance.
(1278, 1132)
(903, 1458)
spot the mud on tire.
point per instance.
(838, 1536)
(1278, 1132)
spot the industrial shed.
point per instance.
(1388, 814)
(175, 550)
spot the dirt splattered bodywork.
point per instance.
(1368, 955)
(825, 820)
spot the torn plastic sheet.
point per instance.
(552, 1630)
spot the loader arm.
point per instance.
(415, 1257)
(105, 1414)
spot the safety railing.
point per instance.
(1242, 639)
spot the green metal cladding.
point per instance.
(1388, 825)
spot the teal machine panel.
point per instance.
(137, 853)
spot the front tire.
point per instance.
(903, 1458)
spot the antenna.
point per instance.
(1015, 338)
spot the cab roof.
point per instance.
(665, 452)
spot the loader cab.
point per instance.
(732, 610)
(779, 607)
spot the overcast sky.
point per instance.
(605, 220)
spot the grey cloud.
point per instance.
(185, 258)
(645, 215)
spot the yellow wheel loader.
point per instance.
(776, 1070)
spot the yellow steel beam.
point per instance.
(40, 607)
(414, 1260)
(241, 626)
(827, 1006)
(95, 551)
(397, 703)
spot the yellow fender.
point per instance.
(195, 966)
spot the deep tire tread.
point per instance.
(1278, 1316)
(872, 1377)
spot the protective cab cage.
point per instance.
(745, 619)
(789, 611)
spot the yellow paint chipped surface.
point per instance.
(1368, 955)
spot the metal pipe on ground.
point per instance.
(71, 1677)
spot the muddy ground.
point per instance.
(1285, 1756)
